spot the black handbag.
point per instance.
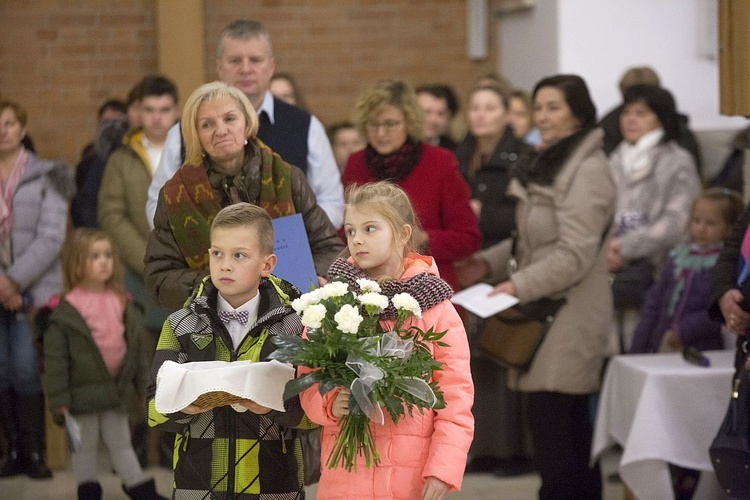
(629, 285)
(730, 449)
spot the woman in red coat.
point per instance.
(388, 115)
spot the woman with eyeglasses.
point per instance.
(389, 117)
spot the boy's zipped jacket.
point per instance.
(222, 453)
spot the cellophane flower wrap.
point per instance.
(387, 371)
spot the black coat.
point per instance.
(725, 275)
(497, 220)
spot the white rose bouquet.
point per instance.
(346, 346)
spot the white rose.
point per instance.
(300, 304)
(334, 289)
(368, 285)
(313, 316)
(306, 300)
(404, 301)
(312, 297)
(373, 299)
(348, 319)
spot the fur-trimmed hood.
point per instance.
(60, 174)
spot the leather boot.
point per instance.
(144, 491)
(89, 491)
(31, 431)
(9, 423)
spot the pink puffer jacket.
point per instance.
(431, 444)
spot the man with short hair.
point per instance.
(245, 60)
(121, 213)
(124, 188)
(440, 105)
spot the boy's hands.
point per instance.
(195, 409)
(340, 406)
(254, 407)
(434, 489)
(250, 405)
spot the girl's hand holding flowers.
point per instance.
(340, 406)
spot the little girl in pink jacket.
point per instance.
(424, 456)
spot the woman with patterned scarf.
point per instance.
(224, 164)
(389, 116)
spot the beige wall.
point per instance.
(62, 58)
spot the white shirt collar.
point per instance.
(267, 106)
(152, 151)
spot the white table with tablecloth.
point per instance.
(662, 409)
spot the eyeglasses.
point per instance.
(388, 125)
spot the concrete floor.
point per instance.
(476, 486)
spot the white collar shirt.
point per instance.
(153, 152)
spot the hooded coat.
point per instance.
(75, 374)
(40, 216)
(434, 443)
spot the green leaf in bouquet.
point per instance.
(286, 351)
(297, 385)
(287, 341)
(324, 386)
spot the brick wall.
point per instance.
(62, 58)
(336, 49)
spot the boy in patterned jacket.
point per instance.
(244, 451)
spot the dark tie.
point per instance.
(263, 118)
(227, 316)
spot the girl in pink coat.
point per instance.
(424, 456)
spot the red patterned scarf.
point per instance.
(192, 203)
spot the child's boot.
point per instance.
(90, 491)
(143, 491)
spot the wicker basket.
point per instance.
(216, 398)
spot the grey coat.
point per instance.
(561, 252)
(661, 195)
(40, 215)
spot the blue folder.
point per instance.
(292, 248)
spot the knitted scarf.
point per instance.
(428, 289)
(192, 204)
(395, 166)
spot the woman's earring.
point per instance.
(203, 154)
(246, 141)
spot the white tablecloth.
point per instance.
(661, 409)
